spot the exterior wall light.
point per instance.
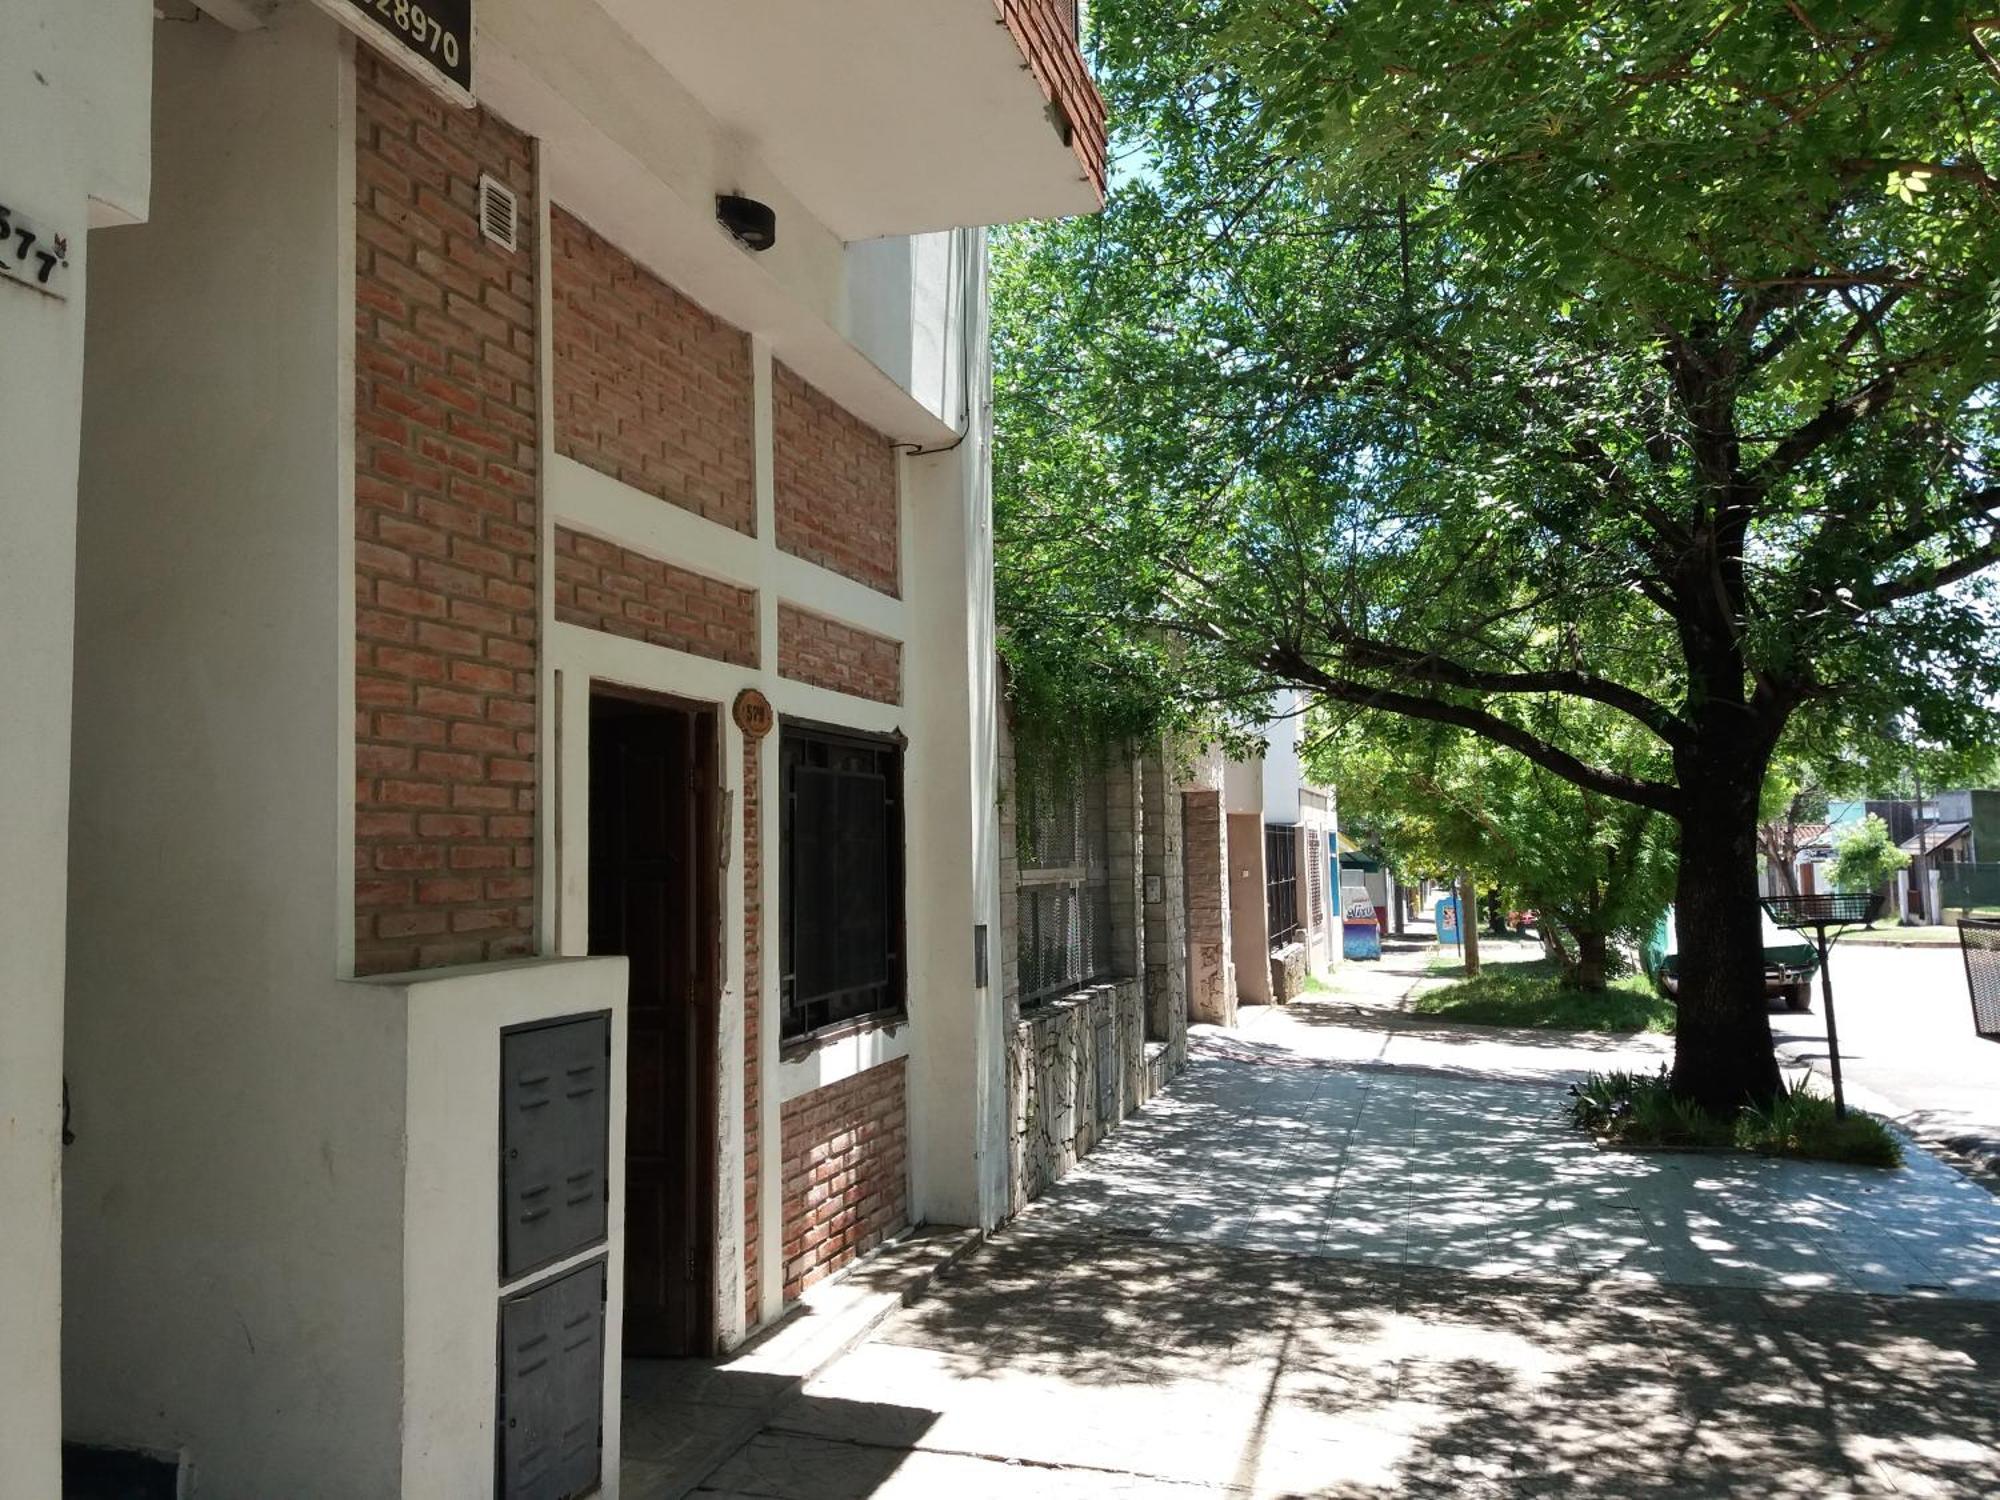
(754, 224)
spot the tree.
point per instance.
(1794, 804)
(1866, 857)
(1465, 361)
(1596, 868)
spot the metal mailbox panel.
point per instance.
(555, 1124)
(552, 1388)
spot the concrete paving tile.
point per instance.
(1287, 1278)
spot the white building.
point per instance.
(525, 821)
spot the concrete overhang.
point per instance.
(889, 117)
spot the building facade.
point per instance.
(525, 765)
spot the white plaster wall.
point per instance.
(75, 85)
(1243, 787)
(1282, 773)
(451, 1245)
(233, 1230)
(904, 312)
(958, 1087)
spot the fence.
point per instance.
(1969, 887)
(1065, 911)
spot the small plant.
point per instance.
(1641, 1111)
(1803, 1124)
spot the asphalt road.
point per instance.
(1907, 1046)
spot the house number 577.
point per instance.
(31, 254)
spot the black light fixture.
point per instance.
(754, 224)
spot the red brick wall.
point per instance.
(603, 586)
(846, 1182)
(446, 535)
(1045, 31)
(753, 1034)
(649, 388)
(828, 654)
(836, 496)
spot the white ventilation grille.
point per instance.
(499, 215)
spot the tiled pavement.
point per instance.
(1304, 1273)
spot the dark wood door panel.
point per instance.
(654, 898)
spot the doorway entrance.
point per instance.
(655, 898)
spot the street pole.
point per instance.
(1922, 886)
(1832, 1030)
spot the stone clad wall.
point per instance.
(1079, 1064)
(1164, 891)
(1076, 1067)
(1211, 977)
(1288, 973)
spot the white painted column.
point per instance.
(75, 105)
(958, 1104)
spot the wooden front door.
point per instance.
(654, 898)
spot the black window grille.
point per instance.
(1065, 937)
(840, 880)
(1316, 878)
(1281, 882)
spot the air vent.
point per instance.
(499, 215)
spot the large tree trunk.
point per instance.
(1723, 1056)
(1468, 924)
(1591, 951)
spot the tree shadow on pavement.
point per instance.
(1417, 1381)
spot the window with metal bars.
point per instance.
(1281, 881)
(840, 880)
(1065, 906)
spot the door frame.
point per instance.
(710, 841)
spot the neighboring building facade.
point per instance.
(1093, 944)
(1302, 898)
(534, 772)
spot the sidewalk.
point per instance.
(1313, 1270)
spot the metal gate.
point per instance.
(1979, 939)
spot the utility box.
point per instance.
(555, 1127)
(552, 1388)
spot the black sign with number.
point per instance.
(437, 33)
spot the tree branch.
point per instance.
(1834, 417)
(1925, 580)
(1426, 667)
(1657, 795)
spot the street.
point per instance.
(1908, 1050)
(1352, 1254)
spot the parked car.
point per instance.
(1789, 962)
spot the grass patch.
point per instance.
(1904, 937)
(1631, 1109)
(1532, 994)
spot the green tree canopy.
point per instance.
(1445, 801)
(1866, 856)
(1449, 359)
